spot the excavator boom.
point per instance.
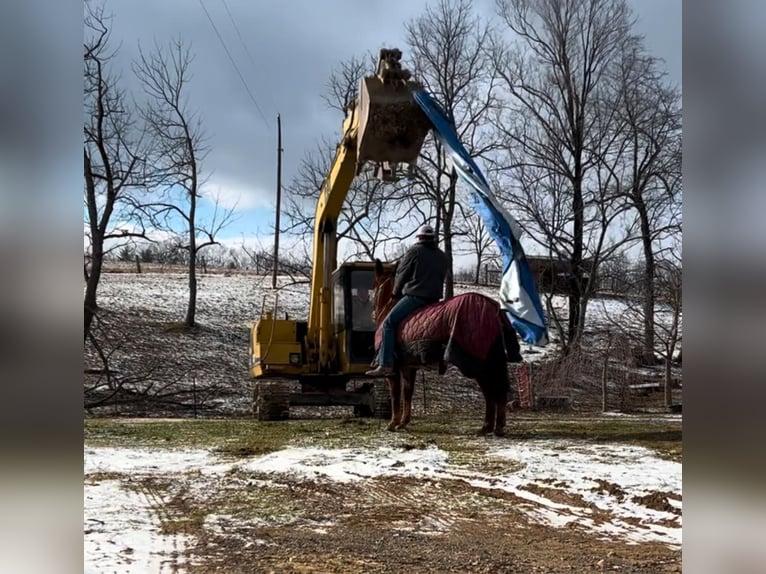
(385, 127)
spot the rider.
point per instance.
(419, 281)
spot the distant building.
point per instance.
(551, 275)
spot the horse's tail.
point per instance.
(510, 339)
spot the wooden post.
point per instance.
(668, 379)
(605, 373)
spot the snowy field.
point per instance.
(235, 301)
(216, 359)
(122, 527)
(562, 484)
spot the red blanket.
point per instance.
(460, 331)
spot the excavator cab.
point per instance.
(354, 323)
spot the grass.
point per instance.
(457, 435)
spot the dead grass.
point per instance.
(242, 437)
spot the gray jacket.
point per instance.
(421, 272)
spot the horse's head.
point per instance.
(382, 291)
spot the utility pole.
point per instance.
(279, 202)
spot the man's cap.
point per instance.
(425, 231)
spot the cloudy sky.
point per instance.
(284, 52)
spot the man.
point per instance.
(361, 310)
(419, 281)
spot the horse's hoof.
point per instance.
(483, 430)
(499, 432)
(402, 426)
(391, 427)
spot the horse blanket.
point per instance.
(461, 331)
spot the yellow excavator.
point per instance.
(385, 128)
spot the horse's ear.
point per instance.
(378, 267)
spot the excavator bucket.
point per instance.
(392, 126)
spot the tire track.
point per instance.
(168, 546)
(426, 507)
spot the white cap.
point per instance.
(425, 230)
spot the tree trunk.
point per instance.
(449, 283)
(449, 211)
(647, 284)
(575, 295)
(191, 310)
(91, 306)
(97, 237)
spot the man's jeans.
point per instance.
(403, 309)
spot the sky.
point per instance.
(122, 522)
(254, 60)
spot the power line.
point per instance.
(233, 63)
(244, 45)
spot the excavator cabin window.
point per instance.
(361, 301)
(352, 309)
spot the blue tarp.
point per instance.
(518, 293)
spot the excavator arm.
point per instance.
(385, 127)
(331, 198)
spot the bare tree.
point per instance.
(342, 87)
(554, 75)
(669, 289)
(447, 47)
(470, 229)
(114, 157)
(296, 264)
(616, 275)
(179, 150)
(650, 170)
(627, 320)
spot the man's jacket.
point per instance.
(421, 272)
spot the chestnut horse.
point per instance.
(469, 331)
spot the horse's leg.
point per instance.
(395, 390)
(489, 406)
(500, 406)
(494, 384)
(501, 389)
(408, 387)
(489, 409)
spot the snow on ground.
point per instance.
(235, 301)
(221, 300)
(242, 298)
(122, 530)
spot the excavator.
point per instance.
(385, 128)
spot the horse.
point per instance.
(469, 331)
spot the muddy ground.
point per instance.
(401, 525)
(243, 520)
